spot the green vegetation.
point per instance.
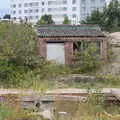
(5, 112)
(7, 16)
(87, 57)
(66, 20)
(17, 52)
(94, 108)
(45, 19)
(108, 20)
(21, 67)
(95, 18)
(12, 111)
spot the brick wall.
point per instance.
(41, 47)
(68, 42)
(103, 51)
(68, 52)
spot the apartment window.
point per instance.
(74, 2)
(83, 9)
(43, 3)
(74, 15)
(64, 2)
(20, 5)
(43, 10)
(25, 11)
(14, 5)
(37, 10)
(20, 11)
(25, 4)
(14, 12)
(74, 9)
(30, 11)
(36, 3)
(30, 4)
(37, 17)
(49, 9)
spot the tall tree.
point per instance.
(45, 19)
(109, 19)
(94, 18)
(112, 16)
(7, 16)
(66, 20)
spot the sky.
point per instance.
(4, 7)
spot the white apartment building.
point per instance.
(76, 10)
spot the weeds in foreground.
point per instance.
(93, 108)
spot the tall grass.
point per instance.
(93, 108)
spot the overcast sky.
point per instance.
(4, 6)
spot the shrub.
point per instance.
(88, 58)
(109, 79)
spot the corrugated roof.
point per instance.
(69, 31)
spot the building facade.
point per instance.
(76, 10)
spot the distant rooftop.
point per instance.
(69, 31)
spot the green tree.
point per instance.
(66, 20)
(109, 19)
(18, 43)
(45, 19)
(94, 18)
(17, 52)
(7, 16)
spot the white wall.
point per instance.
(57, 10)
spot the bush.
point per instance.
(88, 59)
(53, 70)
(17, 53)
(109, 79)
